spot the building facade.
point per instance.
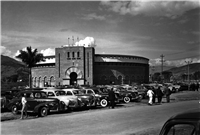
(79, 65)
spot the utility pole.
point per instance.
(162, 61)
(188, 70)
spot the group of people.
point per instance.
(158, 92)
(194, 86)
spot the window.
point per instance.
(78, 54)
(69, 93)
(90, 92)
(51, 94)
(182, 129)
(72, 54)
(68, 54)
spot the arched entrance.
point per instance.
(73, 78)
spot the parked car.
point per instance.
(127, 96)
(69, 101)
(6, 96)
(102, 98)
(84, 100)
(173, 87)
(38, 103)
(187, 123)
(142, 91)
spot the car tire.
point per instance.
(127, 99)
(43, 111)
(103, 102)
(14, 109)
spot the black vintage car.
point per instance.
(128, 95)
(37, 101)
(187, 123)
(6, 97)
(102, 97)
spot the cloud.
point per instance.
(87, 42)
(94, 16)
(170, 9)
(4, 51)
(175, 63)
(48, 52)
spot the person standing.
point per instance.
(24, 106)
(197, 86)
(159, 95)
(167, 92)
(111, 97)
(150, 94)
(154, 95)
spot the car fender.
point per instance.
(36, 109)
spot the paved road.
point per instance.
(119, 121)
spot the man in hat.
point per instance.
(111, 97)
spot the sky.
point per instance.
(140, 28)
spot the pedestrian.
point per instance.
(167, 93)
(150, 94)
(154, 95)
(159, 94)
(111, 98)
(197, 86)
(24, 106)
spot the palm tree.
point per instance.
(30, 58)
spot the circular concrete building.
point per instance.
(79, 65)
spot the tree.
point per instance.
(30, 58)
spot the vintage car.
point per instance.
(102, 97)
(127, 96)
(6, 96)
(38, 103)
(142, 91)
(187, 123)
(85, 100)
(70, 102)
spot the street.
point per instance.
(118, 121)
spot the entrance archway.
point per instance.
(73, 78)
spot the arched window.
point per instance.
(35, 82)
(39, 82)
(72, 54)
(45, 84)
(78, 54)
(112, 79)
(52, 81)
(68, 54)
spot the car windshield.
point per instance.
(77, 92)
(60, 93)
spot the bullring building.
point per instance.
(80, 65)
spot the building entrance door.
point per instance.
(73, 78)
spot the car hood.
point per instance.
(62, 98)
(84, 96)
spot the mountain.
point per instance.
(155, 69)
(194, 67)
(7, 61)
(11, 71)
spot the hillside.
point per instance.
(194, 67)
(12, 71)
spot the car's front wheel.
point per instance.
(127, 99)
(14, 109)
(103, 102)
(43, 112)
